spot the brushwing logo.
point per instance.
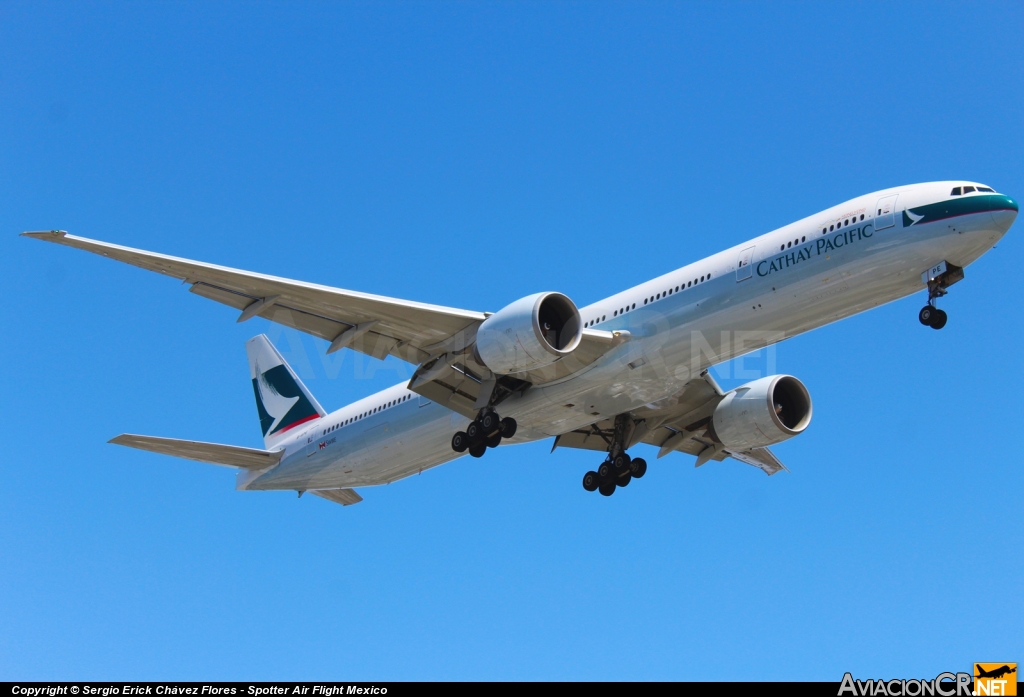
(273, 402)
(280, 401)
(995, 679)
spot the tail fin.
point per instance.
(282, 401)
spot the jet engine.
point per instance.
(531, 333)
(762, 413)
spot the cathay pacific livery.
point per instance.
(625, 370)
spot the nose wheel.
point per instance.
(485, 431)
(931, 316)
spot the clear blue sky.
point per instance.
(470, 154)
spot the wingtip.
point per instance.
(44, 234)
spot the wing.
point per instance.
(676, 424)
(376, 325)
(213, 453)
(372, 324)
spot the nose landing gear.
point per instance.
(939, 278)
(486, 431)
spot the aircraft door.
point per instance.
(743, 269)
(885, 211)
(312, 443)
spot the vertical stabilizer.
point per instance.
(282, 401)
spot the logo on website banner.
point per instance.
(989, 679)
(995, 679)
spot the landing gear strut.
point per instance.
(619, 469)
(939, 278)
(486, 431)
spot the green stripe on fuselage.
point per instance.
(958, 206)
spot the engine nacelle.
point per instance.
(762, 413)
(531, 333)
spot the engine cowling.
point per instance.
(762, 413)
(531, 333)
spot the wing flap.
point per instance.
(346, 497)
(762, 458)
(212, 453)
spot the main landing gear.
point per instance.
(939, 278)
(619, 469)
(615, 472)
(486, 431)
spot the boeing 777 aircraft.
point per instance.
(628, 369)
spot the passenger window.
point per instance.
(824, 230)
(955, 191)
(968, 189)
(803, 239)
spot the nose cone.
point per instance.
(1004, 212)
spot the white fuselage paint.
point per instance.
(782, 292)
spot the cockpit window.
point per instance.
(986, 189)
(955, 191)
(968, 189)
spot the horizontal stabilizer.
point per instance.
(213, 453)
(346, 497)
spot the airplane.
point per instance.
(996, 672)
(631, 368)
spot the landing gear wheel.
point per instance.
(607, 489)
(606, 472)
(926, 315)
(623, 479)
(493, 441)
(938, 319)
(621, 462)
(591, 481)
(460, 442)
(638, 467)
(473, 431)
(477, 450)
(508, 427)
(489, 422)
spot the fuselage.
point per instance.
(846, 259)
